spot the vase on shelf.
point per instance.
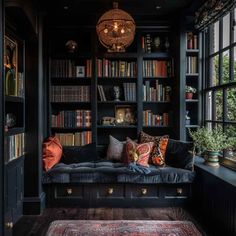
(188, 95)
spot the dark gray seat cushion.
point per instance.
(110, 172)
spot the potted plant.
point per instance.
(210, 142)
(189, 91)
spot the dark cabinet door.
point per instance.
(13, 193)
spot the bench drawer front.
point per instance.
(144, 191)
(69, 191)
(176, 191)
(109, 191)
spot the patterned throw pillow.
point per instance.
(138, 153)
(159, 149)
(115, 150)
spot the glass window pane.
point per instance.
(215, 37)
(225, 67)
(231, 152)
(209, 105)
(234, 25)
(231, 103)
(226, 30)
(234, 62)
(214, 71)
(219, 105)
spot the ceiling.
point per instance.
(143, 10)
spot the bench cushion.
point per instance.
(110, 172)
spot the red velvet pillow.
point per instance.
(138, 153)
(52, 152)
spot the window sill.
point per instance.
(221, 172)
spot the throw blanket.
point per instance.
(139, 168)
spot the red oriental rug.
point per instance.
(122, 228)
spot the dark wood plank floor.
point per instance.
(38, 225)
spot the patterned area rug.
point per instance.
(122, 228)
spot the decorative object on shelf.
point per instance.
(10, 66)
(189, 91)
(124, 115)
(187, 118)
(107, 120)
(10, 120)
(80, 71)
(157, 43)
(71, 46)
(167, 44)
(210, 11)
(116, 93)
(210, 142)
(116, 29)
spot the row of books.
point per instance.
(152, 43)
(192, 67)
(151, 119)
(157, 68)
(192, 41)
(108, 68)
(72, 119)
(75, 139)
(15, 146)
(70, 93)
(68, 68)
(130, 92)
(156, 93)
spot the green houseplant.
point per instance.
(189, 91)
(210, 142)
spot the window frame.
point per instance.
(208, 55)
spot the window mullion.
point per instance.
(220, 48)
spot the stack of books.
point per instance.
(150, 119)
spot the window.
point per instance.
(220, 78)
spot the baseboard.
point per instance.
(34, 205)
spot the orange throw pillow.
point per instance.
(138, 153)
(52, 152)
(159, 149)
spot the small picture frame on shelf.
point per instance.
(124, 115)
(80, 71)
(10, 66)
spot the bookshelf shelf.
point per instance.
(73, 56)
(14, 131)
(190, 51)
(13, 161)
(191, 100)
(158, 78)
(116, 102)
(71, 103)
(70, 80)
(58, 129)
(158, 102)
(14, 99)
(116, 126)
(192, 126)
(126, 55)
(156, 55)
(156, 126)
(192, 75)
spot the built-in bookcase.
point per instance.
(192, 78)
(120, 94)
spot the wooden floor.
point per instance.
(38, 225)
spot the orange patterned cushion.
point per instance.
(138, 153)
(159, 149)
(52, 152)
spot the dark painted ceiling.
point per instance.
(143, 10)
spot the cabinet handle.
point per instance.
(143, 191)
(69, 191)
(110, 191)
(9, 225)
(179, 191)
